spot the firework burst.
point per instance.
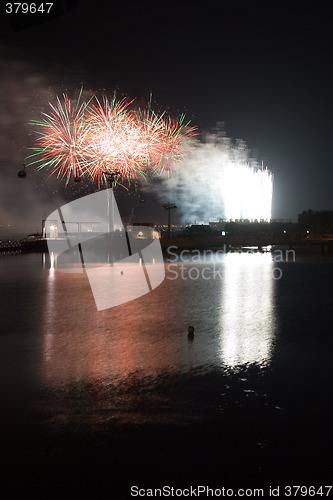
(97, 139)
(62, 139)
(174, 144)
(115, 142)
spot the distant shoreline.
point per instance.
(318, 246)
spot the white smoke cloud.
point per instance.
(219, 179)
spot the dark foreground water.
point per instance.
(95, 402)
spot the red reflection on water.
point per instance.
(81, 343)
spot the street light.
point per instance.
(169, 206)
(111, 179)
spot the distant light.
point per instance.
(52, 259)
(308, 232)
(246, 191)
(53, 231)
(223, 233)
(284, 231)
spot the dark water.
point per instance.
(94, 402)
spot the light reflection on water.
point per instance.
(232, 312)
(255, 382)
(253, 389)
(247, 309)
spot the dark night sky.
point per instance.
(261, 68)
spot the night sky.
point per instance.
(263, 68)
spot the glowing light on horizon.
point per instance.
(219, 180)
(246, 192)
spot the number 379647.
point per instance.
(28, 8)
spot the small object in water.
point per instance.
(190, 331)
(22, 173)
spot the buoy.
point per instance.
(190, 332)
(22, 173)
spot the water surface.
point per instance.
(253, 387)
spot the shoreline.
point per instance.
(319, 246)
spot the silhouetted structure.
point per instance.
(316, 222)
